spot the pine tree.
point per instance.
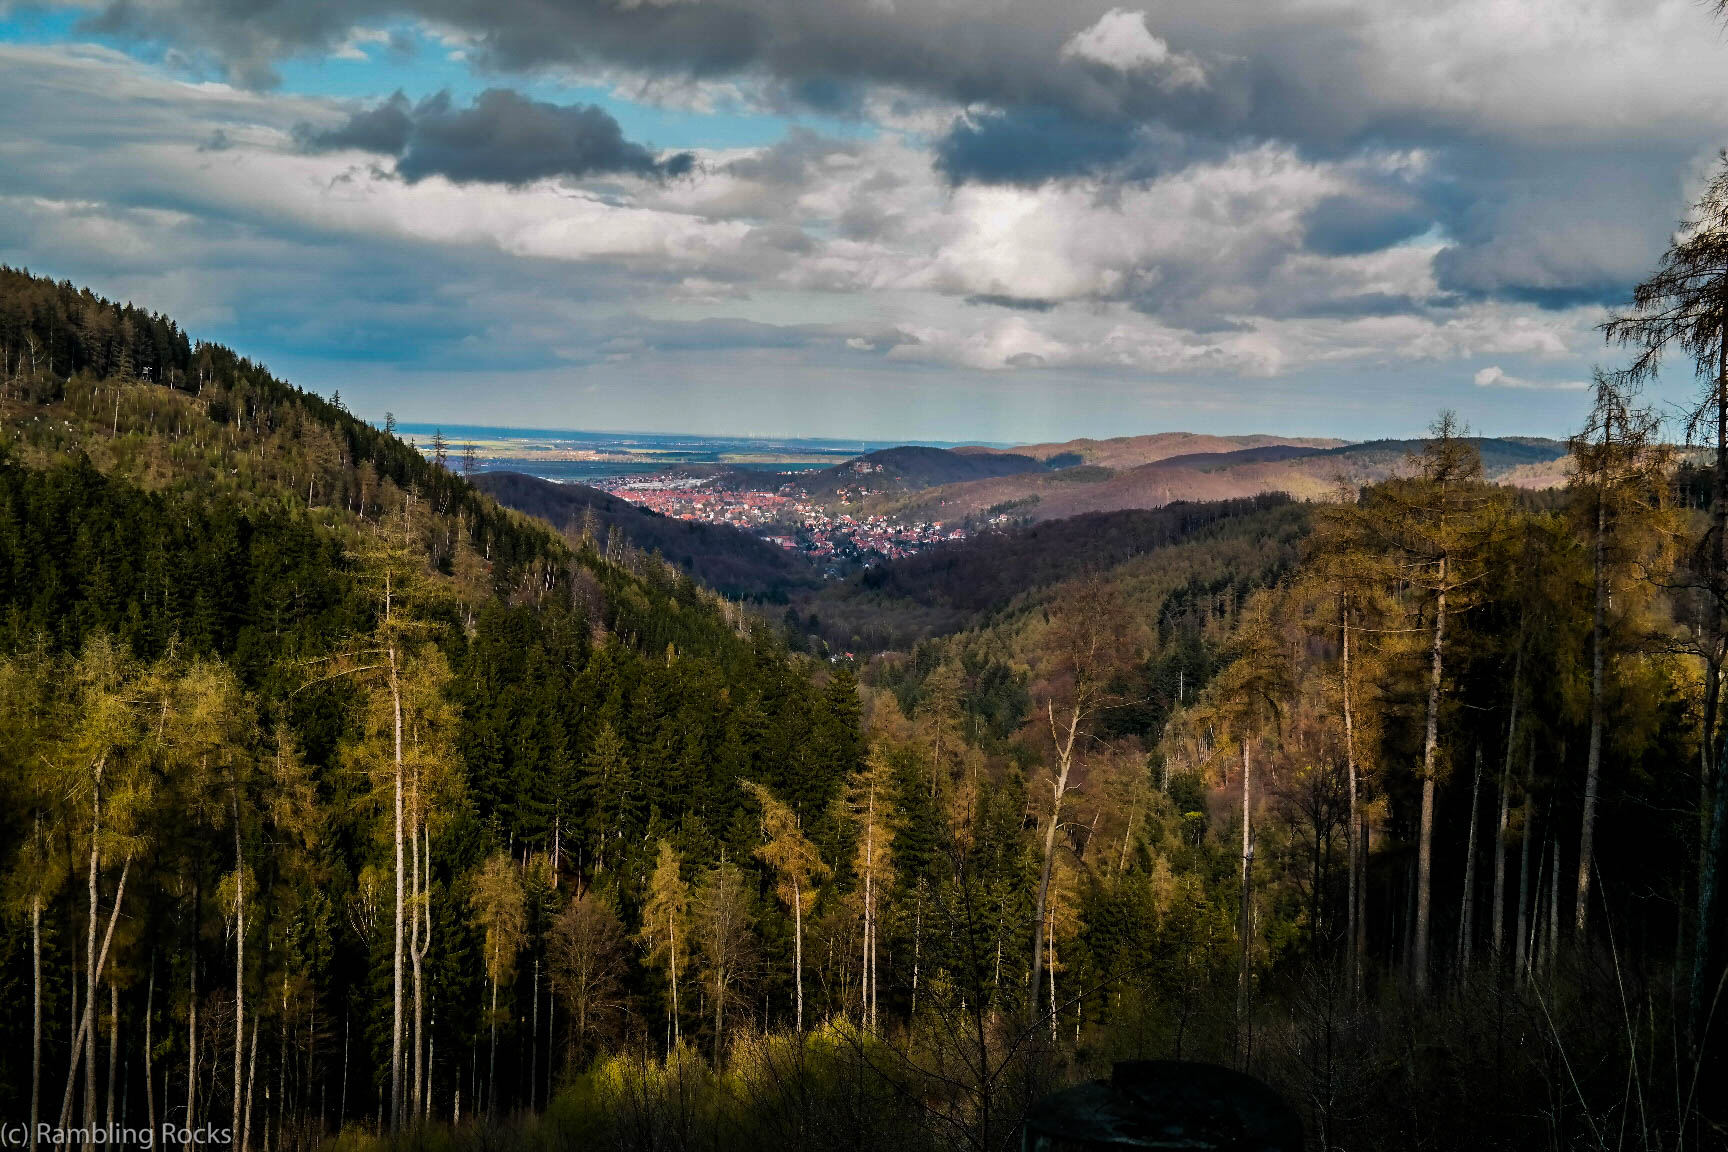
(665, 928)
(1435, 527)
(606, 790)
(798, 868)
(1683, 307)
(870, 795)
(499, 905)
(1089, 642)
(1622, 477)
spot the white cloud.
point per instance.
(1121, 40)
(1493, 377)
(1196, 278)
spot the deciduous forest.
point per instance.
(342, 804)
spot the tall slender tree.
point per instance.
(869, 797)
(724, 942)
(500, 906)
(1682, 307)
(1621, 476)
(587, 953)
(665, 928)
(798, 869)
(1435, 527)
(1090, 639)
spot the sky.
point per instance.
(998, 220)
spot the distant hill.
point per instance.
(1306, 472)
(988, 570)
(911, 468)
(731, 562)
(1122, 452)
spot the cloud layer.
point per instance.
(502, 138)
(1026, 198)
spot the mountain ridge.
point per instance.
(728, 560)
(1301, 471)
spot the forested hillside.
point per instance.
(337, 799)
(257, 655)
(912, 468)
(959, 586)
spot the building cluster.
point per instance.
(787, 518)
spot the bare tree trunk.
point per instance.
(534, 1043)
(1245, 927)
(1554, 907)
(917, 943)
(85, 1042)
(492, 1057)
(1593, 763)
(1352, 837)
(866, 986)
(396, 959)
(342, 1093)
(35, 1015)
(417, 952)
(239, 973)
(1467, 914)
(672, 937)
(90, 966)
(798, 947)
(1425, 842)
(1058, 789)
(1367, 828)
(113, 1051)
(1497, 930)
(75, 1005)
(1539, 911)
(431, 1035)
(281, 1062)
(719, 1013)
(1521, 940)
(1710, 859)
(1707, 742)
(251, 1079)
(1499, 919)
(149, 1073)
(1051, 969)
(875, 973)
(192, 1033)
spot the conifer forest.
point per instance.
(345, 808)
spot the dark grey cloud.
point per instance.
(1295, 72)
(502, 138)
(817, 55)
(1031, 146)
(1017, 303)
(1358, 306)
(1353, 225)
(1292, 72)
(625, 336)
(816, 50)
(1556, 227)
(384, 128)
